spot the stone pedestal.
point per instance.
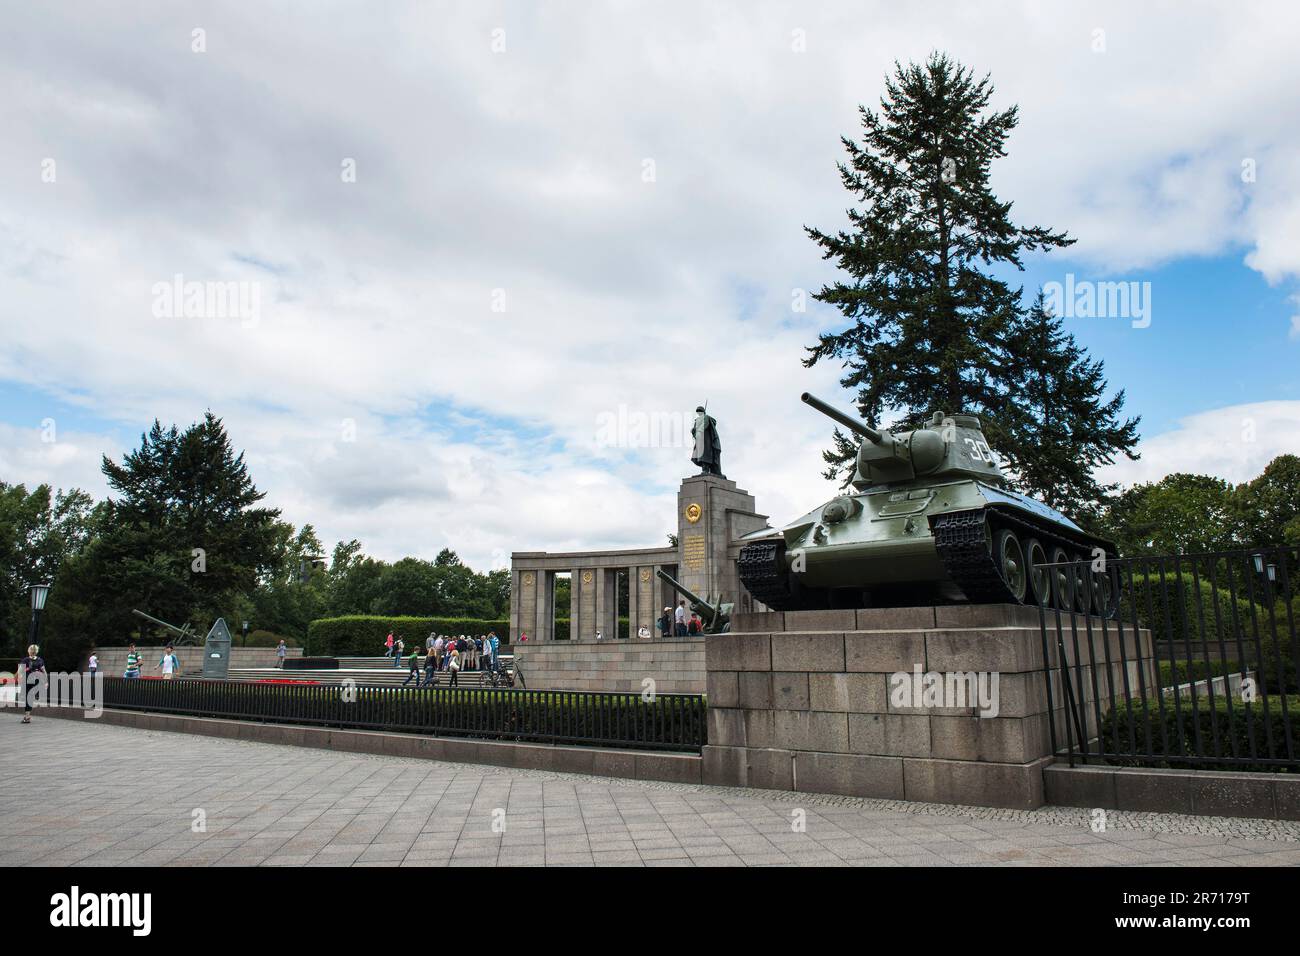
(822, 701)
(711, 513)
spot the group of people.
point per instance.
(680, 622)
(445, 654)
(169, 664)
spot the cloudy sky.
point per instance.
(483, 247)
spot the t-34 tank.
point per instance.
(931, 518)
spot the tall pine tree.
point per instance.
(183, 534)
(931, 328)
(1062, 425)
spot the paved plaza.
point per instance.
(81, 793)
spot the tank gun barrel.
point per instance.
(852, 424)
(696, 601)
(717, 617)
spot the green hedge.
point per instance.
(1190, 609)
(1182, 672)
(363, 635)
(1151, 727)
(1151, 593)
(263, 639)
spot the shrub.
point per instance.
(1191, 619)
(1176, 609)
(1182, 672)
(362, 635)
(262, 638)
(1156, 728)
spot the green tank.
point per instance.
(930, 519)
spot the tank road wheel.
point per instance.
(1105, 592)
(1080, 570)
(1040, 578)
(1010, 558)
(1062, 580)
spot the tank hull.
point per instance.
(906, 545)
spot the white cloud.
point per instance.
(54, 456)
(1233, 443)
(522, 172)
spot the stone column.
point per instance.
(516, 590)
(642, 590)
(606, 604)
(586, 623)
(528, 602)
(575, 606)
(633, 602)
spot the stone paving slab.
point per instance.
(98, 795)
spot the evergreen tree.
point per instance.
(931, 327)
(183, 536)
(1061, 424)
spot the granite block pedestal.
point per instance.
(828, 702)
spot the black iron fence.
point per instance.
(670, 722)
(1185, 661)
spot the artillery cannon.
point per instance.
(930, 518)
(216, 646)
(716, 616)
(184, 634)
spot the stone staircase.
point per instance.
(365, 671)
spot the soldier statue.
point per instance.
(707, 453)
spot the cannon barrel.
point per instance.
(183, 632)
(685, 591)
(852, 424)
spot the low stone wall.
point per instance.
(802, 701)
(112, 660)
(676, 666)
(1220, 793)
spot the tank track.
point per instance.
(961, 539)
(762, 570)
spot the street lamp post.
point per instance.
(39, 593)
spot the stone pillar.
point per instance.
(575, 602)
(606, 617)
(586, 623)
(633, 596)
(641, 590)
(527, 612)
(516, 590)
(710, 511)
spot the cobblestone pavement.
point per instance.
(87, 794)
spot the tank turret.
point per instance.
(931, 518)
(948, 445)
